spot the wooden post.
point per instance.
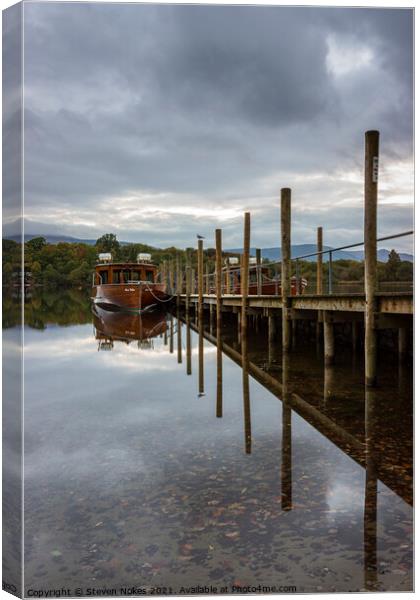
(207, 286)
(285, 270)
(193, 281)
(219, 357)
(178, 281)
(164, 273)
(187, 287)
(228, 277)
(328, 384)
(328, 339)
(200, 276)
(245, 268)
(171, 277)
(319, 262)
(354, 335)
(402, 343)
(371, 201)
(259, 274)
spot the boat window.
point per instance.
(135, 276)
(116, 276)
(103, 276)
(126, 275)
(149, 276)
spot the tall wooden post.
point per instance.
(187, 286)
(219, 357)
(207, 286)
(178, 281)
(371, 201)
(259, 273)
(329, 349)
(319, 278)
(245, 268)
(164, 273)
(402, 343)
(285, 269)
(200, 318)
(200, 275)
(319, 262)
(193, 282)
(171, 276)
(228, 290)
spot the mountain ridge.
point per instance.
(272, 253)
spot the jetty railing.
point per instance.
(330, 252)
(345, 287)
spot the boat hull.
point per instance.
(127, 296)
(127, 327)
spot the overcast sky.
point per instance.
(160, 122)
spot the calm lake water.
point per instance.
(131, 478)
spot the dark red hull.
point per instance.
(128, 296)
(127, 327)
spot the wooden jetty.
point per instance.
(375, 310)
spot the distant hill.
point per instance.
(51, 239)
(274, 254)
(55, 239)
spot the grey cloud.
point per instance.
(206, 105)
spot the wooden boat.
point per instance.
(111, 326)
(231, 279)
(129, 286)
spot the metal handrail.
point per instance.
(382, 239)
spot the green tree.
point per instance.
(392, 266)
(36, 270)
(36, 244)
(108, 243)
(52, 276)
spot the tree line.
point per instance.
(71, 264)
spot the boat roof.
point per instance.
(126, 264)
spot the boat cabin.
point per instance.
(107, 272)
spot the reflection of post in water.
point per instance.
(171, 335)
(200, 356)
(200, 319)
(179, 337)
(245, 387)
(244, 327)
(271, 338)
(328, 383)
(219, 358)
(286, 446)
(371, 498)
(188, 342)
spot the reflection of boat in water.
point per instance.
(130, 286)
(111, 326)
